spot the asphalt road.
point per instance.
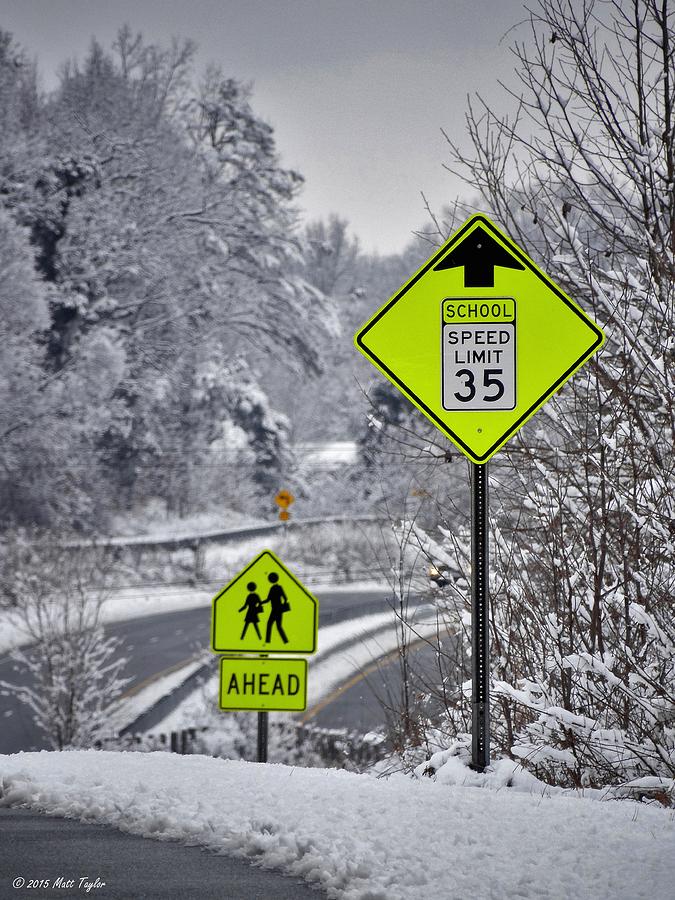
(153, 644)
(373, 699)
(43, 857)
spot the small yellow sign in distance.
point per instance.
(284, 499)
(479, 338)
(263, 684)
(264, 609)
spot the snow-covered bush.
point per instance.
(74, 668)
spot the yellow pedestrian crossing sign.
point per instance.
(264, 609)
(479, 338)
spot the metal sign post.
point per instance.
(480, 619)
(262, 736)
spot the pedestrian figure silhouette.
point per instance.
(278, 606)
(253, 606)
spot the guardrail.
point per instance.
(198, 542)
(186, 542)
(335, 747)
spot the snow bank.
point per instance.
(323, 455)
(451, 766)
(362, 838)
(144, 697)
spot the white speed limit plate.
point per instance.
(479, 353)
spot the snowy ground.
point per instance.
(156, 523)
(461, 835)
(363, 838)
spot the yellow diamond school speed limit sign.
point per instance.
(264, 609)
(479, 338)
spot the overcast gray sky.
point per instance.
(357, 90)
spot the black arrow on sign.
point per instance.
(479, 253)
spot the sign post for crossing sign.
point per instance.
(479, 338)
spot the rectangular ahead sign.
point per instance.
(263, 684)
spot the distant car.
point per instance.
(440, 577)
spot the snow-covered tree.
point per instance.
(162, 228)
(45, 417)
(75, 670)
(330, 257)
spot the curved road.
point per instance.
(155, 643)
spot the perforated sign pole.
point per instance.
(480, 619)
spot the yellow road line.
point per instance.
(354, 680)
(137, 688)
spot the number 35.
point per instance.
(490, 381)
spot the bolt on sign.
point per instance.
(479, 338)
(263, 684)
(264, 609)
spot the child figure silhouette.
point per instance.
(253, 607)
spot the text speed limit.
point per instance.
(479, 354)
